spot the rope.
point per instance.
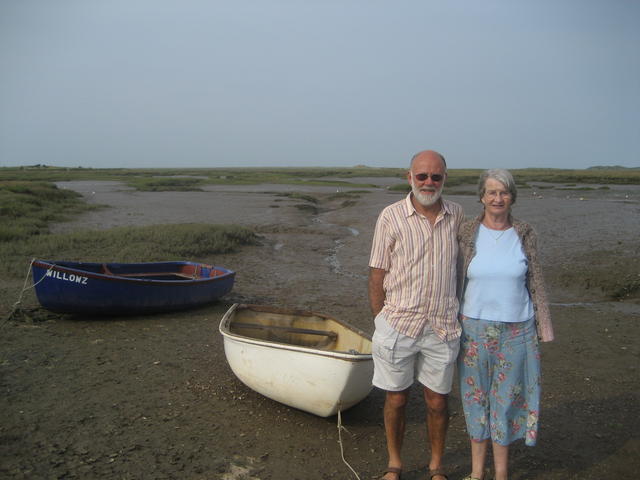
(340, 428)
(16, 305)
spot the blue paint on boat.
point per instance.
(127, 288)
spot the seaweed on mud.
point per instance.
(627, 290)
(31, 315)
(307, 208)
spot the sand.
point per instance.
(153, 397)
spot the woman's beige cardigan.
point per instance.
(535, 281)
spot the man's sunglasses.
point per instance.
(436, 177)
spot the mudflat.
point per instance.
(153, 397)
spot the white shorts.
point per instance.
(399, 360)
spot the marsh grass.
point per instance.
(344, 195)
(305, 207)
(470, 193)
(27, 208)
(127, 244)
(575, 188)
(448, 189)
(164, 184)
(298, 196)
(162, 179)
(399, 187)
(627, 290)
(603, 175)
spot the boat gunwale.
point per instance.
(340, 355)
(141, 281)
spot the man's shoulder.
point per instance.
(453, 208)
(451, 204)
(399, 207)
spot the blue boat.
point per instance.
(127, 288)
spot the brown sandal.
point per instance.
(392, 470)
(437, 471)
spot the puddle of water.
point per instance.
(332, 258)
(335, 265)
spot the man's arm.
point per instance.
(376, 289)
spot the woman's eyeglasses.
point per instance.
(436, 177)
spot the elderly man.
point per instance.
(412, 292)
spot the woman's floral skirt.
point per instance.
(499, 369)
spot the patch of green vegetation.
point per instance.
(630, 289)
(298, 196)
(605, 175)
(288, 176)
(163, 184)
(576, 189)
(462, 177)
(400, 187)
(612, 167)
(176, 177)
(27, 208)
(472, 193)
(126, 244)
(305, 207)
(337, 196)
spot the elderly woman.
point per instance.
(504, 312)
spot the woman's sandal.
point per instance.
(437, 471)
(487, 476)
(396, 470)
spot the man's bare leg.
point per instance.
(437, 423)
(394, 425)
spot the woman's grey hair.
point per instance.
(503, 176)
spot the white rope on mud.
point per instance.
(340, 428)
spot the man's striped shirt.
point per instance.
(420, 264)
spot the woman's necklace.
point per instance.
(495, 237)
(495, 233)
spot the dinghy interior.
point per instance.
(300, 329)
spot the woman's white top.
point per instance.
(496, 279)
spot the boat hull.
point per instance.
(320, 381)
(127, 289)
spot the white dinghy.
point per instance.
(305, 360)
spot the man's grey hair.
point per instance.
(503, 176)
(444, 162)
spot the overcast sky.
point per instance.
(205, 83)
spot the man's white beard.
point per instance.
(426, 199)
